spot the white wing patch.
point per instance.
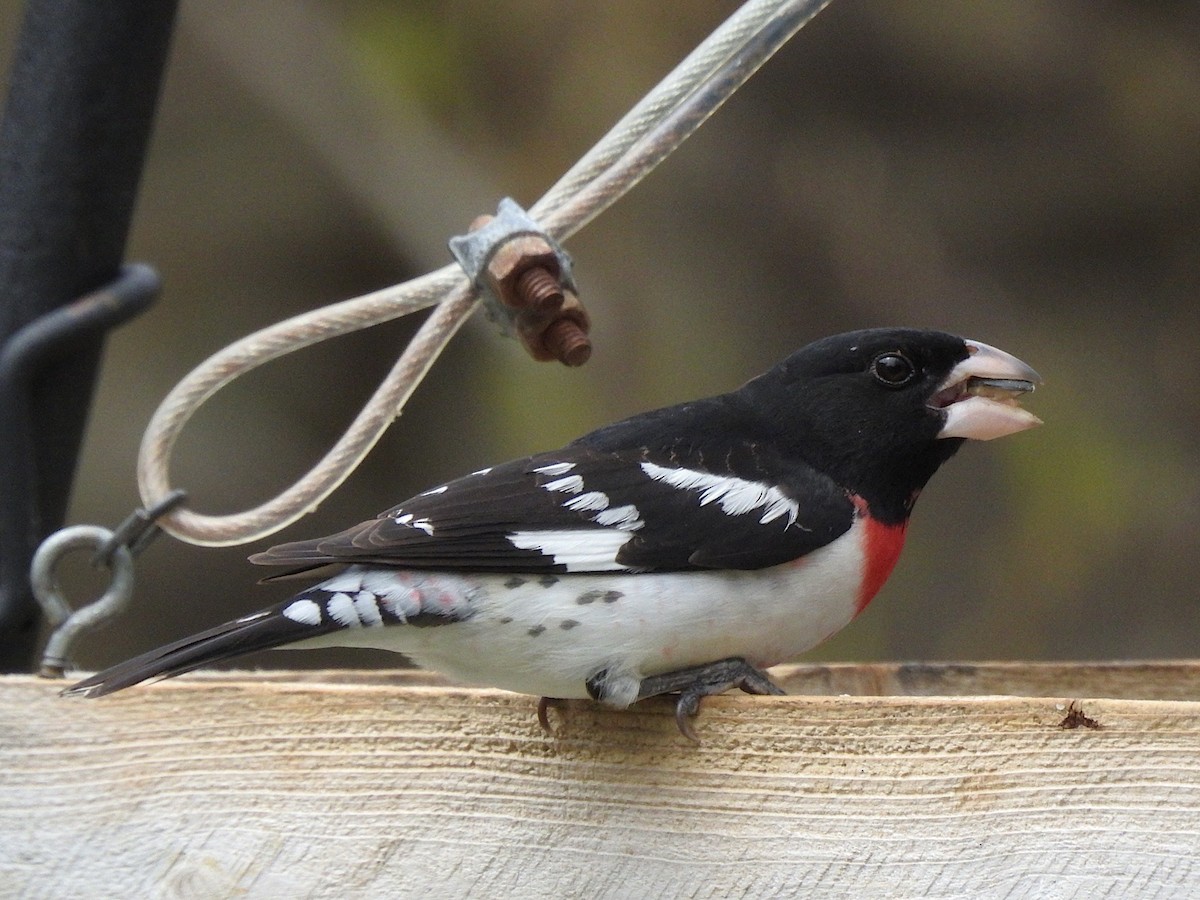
(554, 469)
(626, 518)
(366, 605)
(623, 518)
(572, 484)
(341, 609)
(589, 501)
(582, 550)
(391, 586)
(412, 522)
(735, 496)
(306, 612)
(347, 582)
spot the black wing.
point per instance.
(583, 509)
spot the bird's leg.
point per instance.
(697, 682)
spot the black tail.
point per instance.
(259, 631)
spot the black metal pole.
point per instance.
(82, 95)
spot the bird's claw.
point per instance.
(697, 682)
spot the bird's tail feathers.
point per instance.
(258, 631)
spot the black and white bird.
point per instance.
(680, 550)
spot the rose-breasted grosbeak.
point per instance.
(683, 549)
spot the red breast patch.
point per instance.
(881, 548)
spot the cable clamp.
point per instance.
(526, 283)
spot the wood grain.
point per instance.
(373, 785)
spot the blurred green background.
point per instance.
(1025, 173)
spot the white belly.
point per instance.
(548, 638)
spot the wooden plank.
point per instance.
(371, 785)
(1120, 679)
(1130, 680)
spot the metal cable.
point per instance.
(728, 70)
(270, 343)
(658, 124)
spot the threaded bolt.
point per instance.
(539, 290)
(567, 342)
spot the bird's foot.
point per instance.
(697, 682)
(543, 711)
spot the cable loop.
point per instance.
(658, 124)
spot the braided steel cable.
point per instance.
(645, 136)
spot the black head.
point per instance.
(880, 410)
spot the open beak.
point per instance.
(981, 395)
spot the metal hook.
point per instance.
(48, 591)
(22, 356)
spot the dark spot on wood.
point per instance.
(612, 596)
(567, 624)
(536, 630)
(926, 676)
(547, 581)
(506, 620)
(514, 582)
(1076, 718)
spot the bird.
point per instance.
(681, 551)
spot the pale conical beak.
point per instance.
(981, 395)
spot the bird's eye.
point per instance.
(892, 369)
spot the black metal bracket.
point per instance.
(77, 120)
(45, 340)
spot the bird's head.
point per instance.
(881, 409)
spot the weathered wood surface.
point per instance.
(370, 785)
